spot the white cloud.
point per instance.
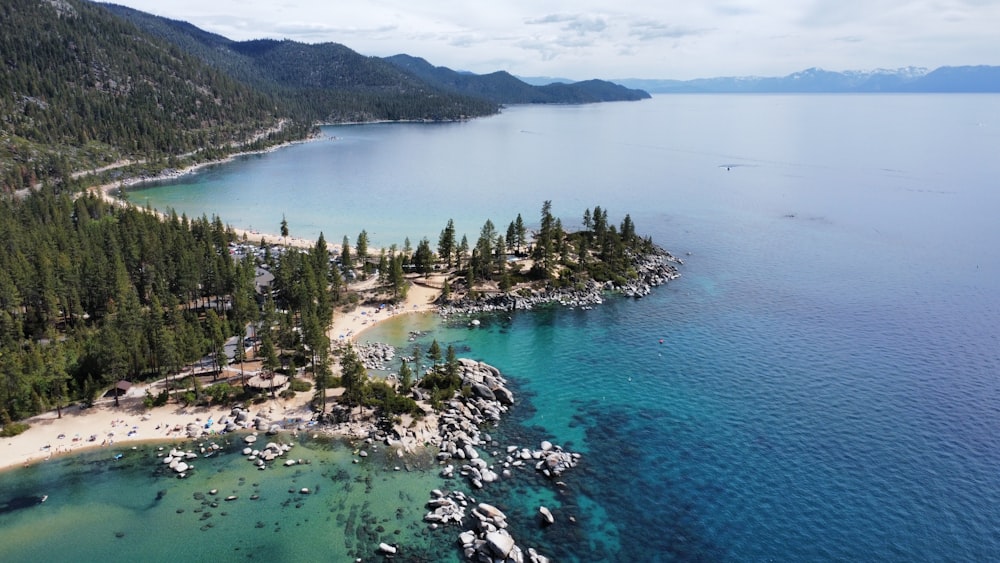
(647, 30)
(643, 38)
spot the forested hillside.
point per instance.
(326, 82)
(89, 295)
(82, 89)
(88, 85)
(502, 87)
(339, 84)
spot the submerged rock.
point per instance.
(386, 548)
(546, 514)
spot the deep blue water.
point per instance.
(827, 386)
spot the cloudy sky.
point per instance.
(582, 39)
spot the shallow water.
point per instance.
(135, 508)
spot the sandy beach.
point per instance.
(106, 426)
(131, 423)
(348, 325)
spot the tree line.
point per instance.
(93, 293)
(596, 249)
(83, 89)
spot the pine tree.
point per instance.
(346, 261)
(446, 243)
(399, 286)
(463, 251)
(417, 356)
(405, 377)
(511, 238)
(353, 377)
(484, 251)
(361, 250)
(423, 258)
(451, 362)
(520, 233)
(434, 352)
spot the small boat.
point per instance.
(44, 498)
(118, 456)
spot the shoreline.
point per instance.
(347, 326)
(105, 191)
(132, 424)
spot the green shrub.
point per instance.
(381, 395)
(221, 393)
(13, 429)
(299, 385)
(161, 398)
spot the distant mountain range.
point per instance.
(948, 79)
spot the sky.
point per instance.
(581, 39)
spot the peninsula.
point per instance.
(276, 331)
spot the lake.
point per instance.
(827, 383)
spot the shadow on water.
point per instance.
(20, 503)
(662, 523)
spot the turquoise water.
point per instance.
(827, 387)
(135, 509)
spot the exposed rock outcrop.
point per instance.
(652, 269)
(460, 426)
(375, 355)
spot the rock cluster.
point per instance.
(270, 452)
(653, 269)
(178, 460)
(523, 300)
(459, 425)
(551, 460)
(375, 355)
(446, 509)
(486, 537)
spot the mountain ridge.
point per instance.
(505, 88)
(309, 65)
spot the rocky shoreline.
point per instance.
(653, 269)
(485, 536)
(466, 451)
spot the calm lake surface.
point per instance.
(828, 386)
